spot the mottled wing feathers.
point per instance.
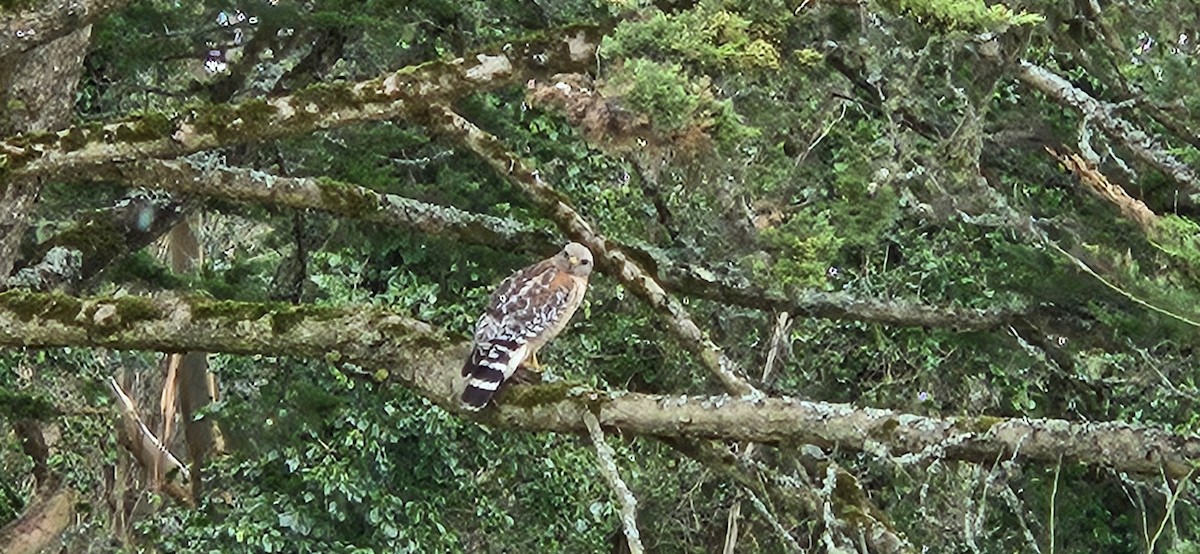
(526, 311)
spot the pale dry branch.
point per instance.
(1098, 185)
(150, 452)
(1145, 147)
(607, 462)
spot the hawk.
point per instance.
(527, 310)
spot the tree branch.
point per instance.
(609, 257)
(20, 32)
(607, 462)
(335, 197)
(404, 93)
(428, 362)
(41, 523)
(1145, 147)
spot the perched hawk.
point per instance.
(527, 310)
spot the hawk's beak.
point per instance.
(574, 260)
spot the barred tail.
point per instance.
(487, 367)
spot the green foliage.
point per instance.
(16, 405)
(805, 248)
(705, 35)
(663, 91)
(674, 101)
(965, 15)
(336, 465)
(1179, 238)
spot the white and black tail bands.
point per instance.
(489, 365)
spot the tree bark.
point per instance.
(37, 93)
(425, 360)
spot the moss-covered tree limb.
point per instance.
(609, 257)
(354, 201)
(828, 305)
(1145, 147)
(407, 92)
(428, 362)
(336, 197)
(26, 30)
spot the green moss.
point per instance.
(74, 139)
(144, 128)
(981, 424)
(96, 237)
(207, 308)
(248, 119)
(531, 396)
(283, 317)
(887, 428)
(287, 317)
(32, 305)
(33, 139)
(326, 96)
(131, 309)
(347, 199)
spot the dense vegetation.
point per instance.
(930, 266)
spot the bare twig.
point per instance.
(1053, 498)
(608, 467)
(786, 538)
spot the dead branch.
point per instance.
(150, 452)
(1104, 114)
(1099, 186)
(607, 462)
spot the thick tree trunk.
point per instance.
(41, 523)
(37, 92)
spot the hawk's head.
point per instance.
(575, 259)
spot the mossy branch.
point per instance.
(328, 195)
(404, 93)
(422, 358)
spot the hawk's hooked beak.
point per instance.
(574, 260)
